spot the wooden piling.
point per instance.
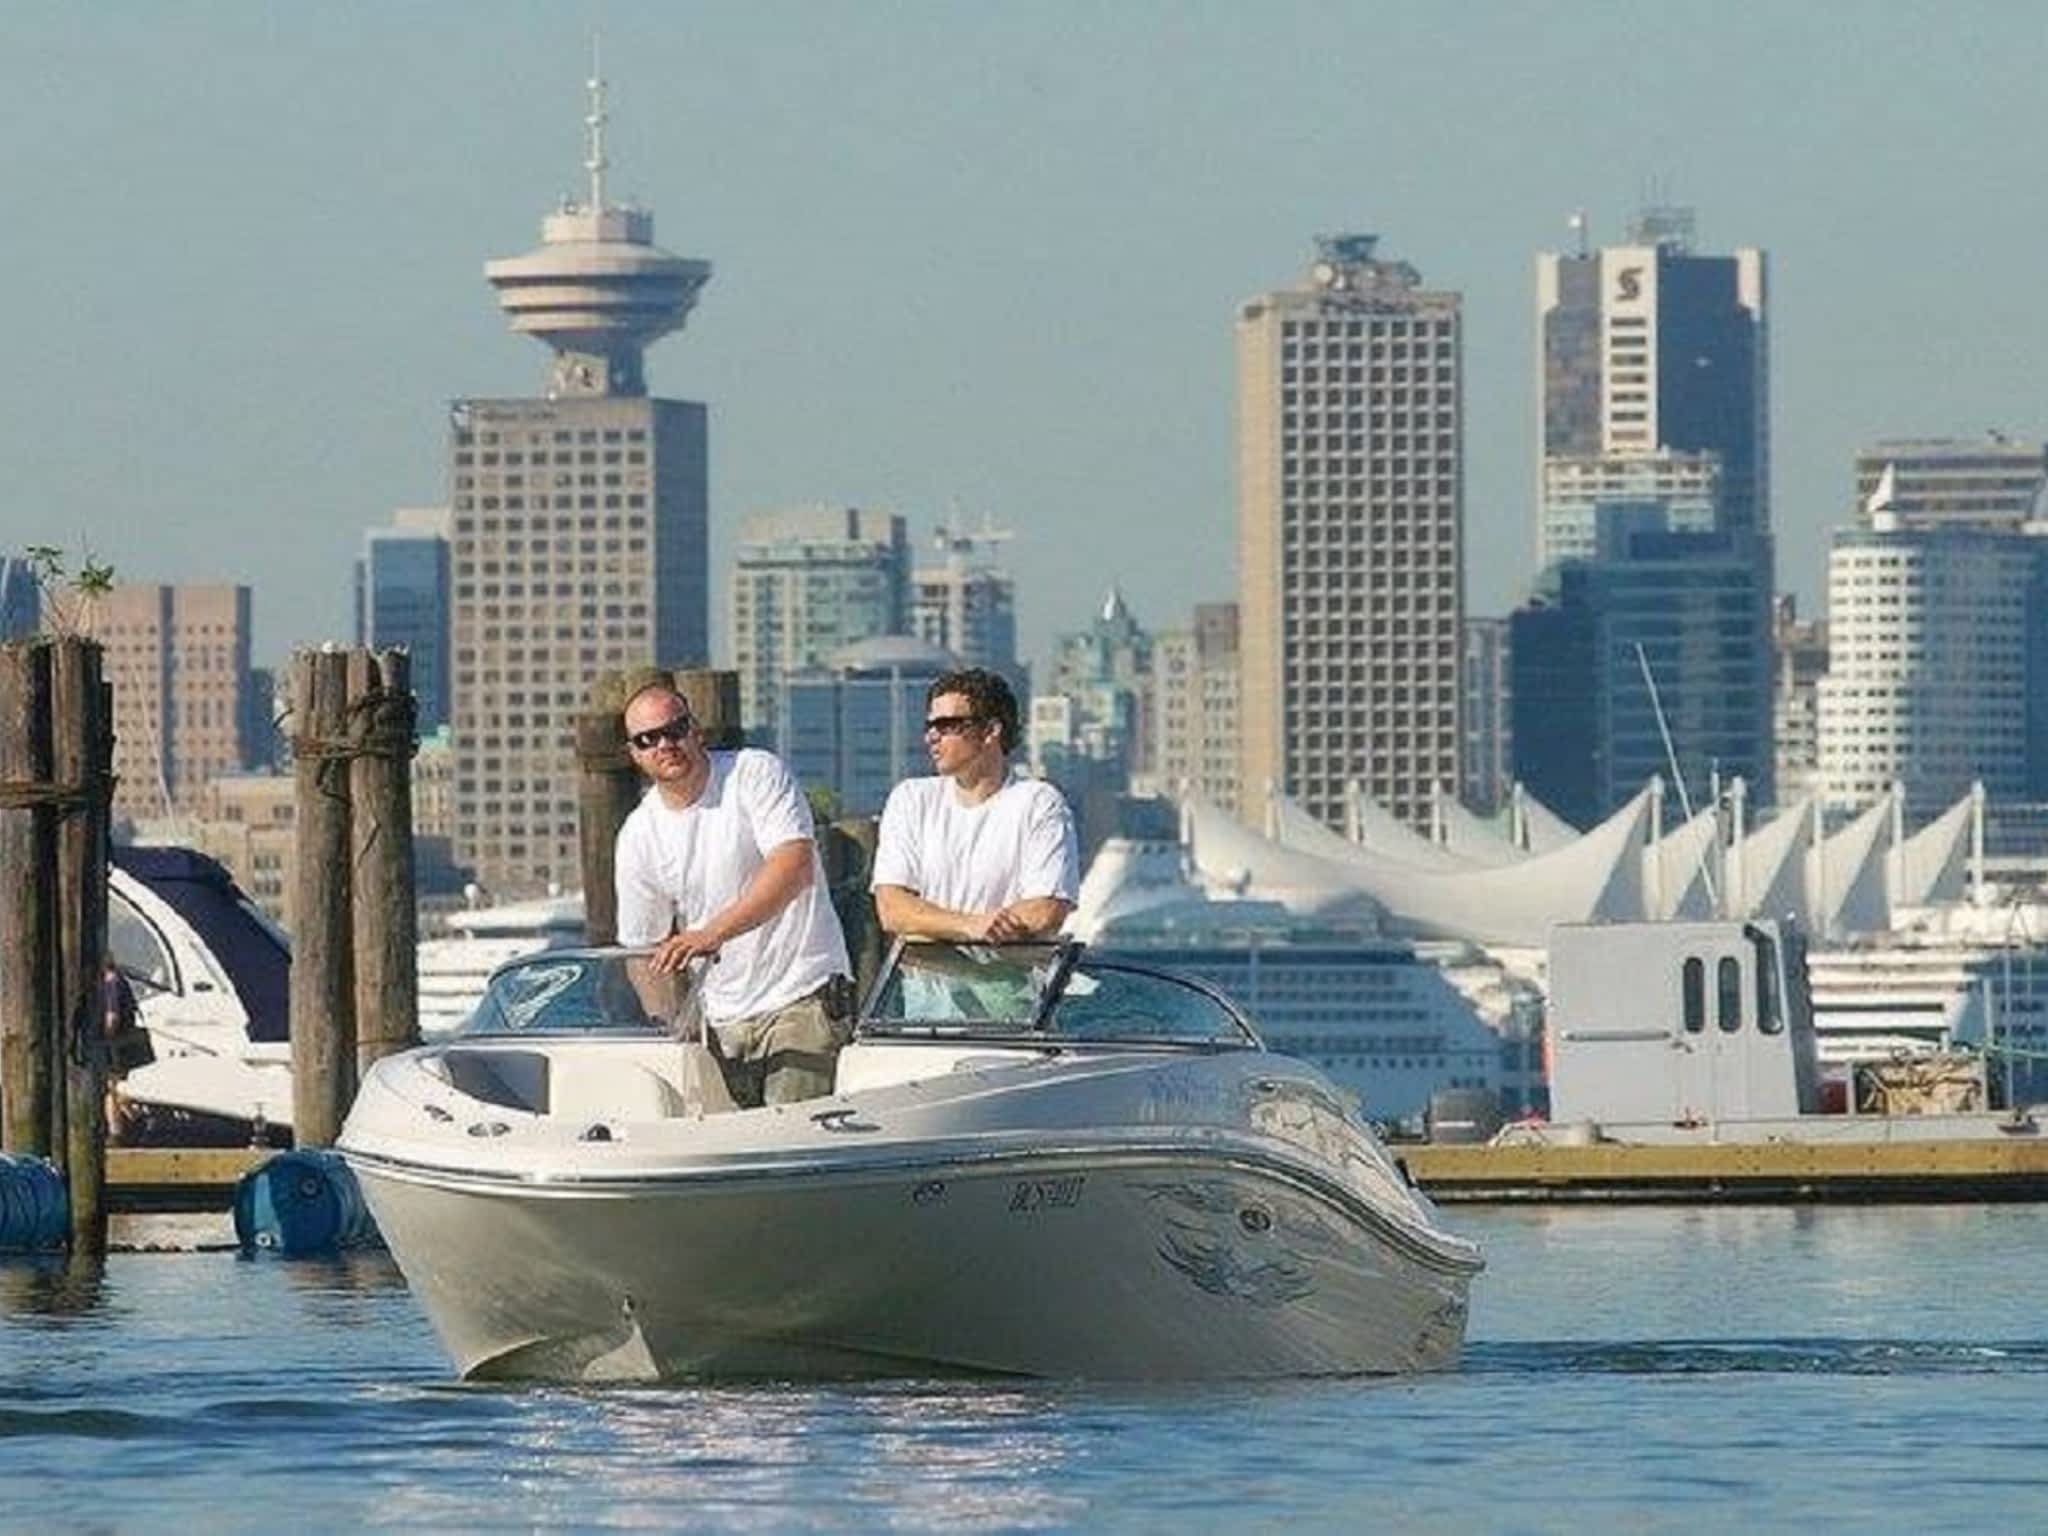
(28, 859)
(323, 1028)
(383, 723)
(607, 788)
(714, 697)
(608, 785)
(848, 845)
(81, 762)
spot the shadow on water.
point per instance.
(52, 1285)
(1734, 1357)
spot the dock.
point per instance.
(1732, 1172)
(175, 1180)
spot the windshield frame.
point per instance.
(580, 954)
(1040, 1032)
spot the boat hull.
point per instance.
(1118, 1263)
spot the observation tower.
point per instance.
(598, 290)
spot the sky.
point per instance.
(970, 260)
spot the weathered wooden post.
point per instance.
(383, 717)
(81, 763)
(849, 850)
(714, 697)
(608, 785)
(28, 855)
(323, 1026)
(607, 788)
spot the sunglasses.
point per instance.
(951, 725)
(675, 732)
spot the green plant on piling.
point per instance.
(68, 599)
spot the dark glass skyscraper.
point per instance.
(402, 600)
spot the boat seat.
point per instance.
(614, 1091)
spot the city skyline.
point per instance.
(947, 241)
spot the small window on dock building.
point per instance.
(1728, 990)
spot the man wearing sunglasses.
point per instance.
(978, 852)
(718, 862)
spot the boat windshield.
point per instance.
(582, 992)
(984, 991)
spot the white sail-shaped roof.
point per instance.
(1542, 828)
(1678, 873)
(1476, 841)
(1930, 866)
(1373, 827)
(1846, 876)
(1231, 858)
(1127, 876)
(1598, 877)
(1766, 871)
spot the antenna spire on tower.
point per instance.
(593, 159)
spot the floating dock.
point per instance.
(1773, 1171)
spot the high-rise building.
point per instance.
(21, 598)
(1685, 486)
(402, 600)
(807, 582)
(178, 660)
(855, 727)
(967, 604)
(579, 527)
(1937, 666)
(1659, 648)
(1194, 713)
(1487, 770)
(1351, 556)
(1649, 347)
(1938, 482)
(1800, 649)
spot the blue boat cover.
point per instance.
(204, 894)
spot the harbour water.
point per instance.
(1645, 1369)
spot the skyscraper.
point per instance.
(807, 582)
(1945, 482)
(21, 598)
(1194, 711)
(1649, 347)
(1937, 666)
(579, 540)
(1351, 512)
(178, 660)
(402, 600)
(967, 604)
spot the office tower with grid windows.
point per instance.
(402, 600)
(1945, 482)
(807, 582)
(1651, 351)
(177, 659)
(1351, 558)
(578, 540)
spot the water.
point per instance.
(1646, 1369)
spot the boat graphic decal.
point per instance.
(1215, 1265)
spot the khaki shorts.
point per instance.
(783, 1056)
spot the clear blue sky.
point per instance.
(964, 253)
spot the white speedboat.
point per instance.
(1036, 1162)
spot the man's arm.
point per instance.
(783, 876)
(909, 916)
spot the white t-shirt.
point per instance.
(677, 868)
(1017, 844)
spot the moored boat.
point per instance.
(1036, 1162)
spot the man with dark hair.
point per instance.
(978, 852)
(718, 861)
